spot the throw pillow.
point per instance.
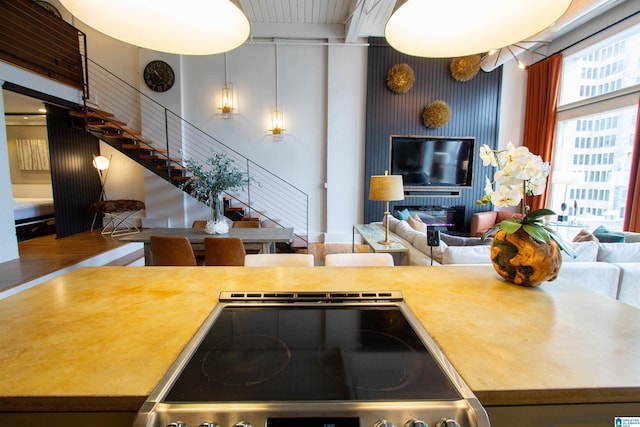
(584, 236)
(607, 236)
(403, 214)
(467, 255)
(463, 241)
(416, 223)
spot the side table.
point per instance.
(372, 235)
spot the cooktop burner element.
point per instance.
(338, 359)
(246, 360)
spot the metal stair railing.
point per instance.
(268, 196)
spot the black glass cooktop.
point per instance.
(349, 353)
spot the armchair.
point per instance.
(482, 221)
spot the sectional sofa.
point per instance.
(611, 269)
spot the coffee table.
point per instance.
(373, 235)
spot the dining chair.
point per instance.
(199, 223)
(246, 224)
(172, 250)
(222, 251)
(284, 260)
(359, 260)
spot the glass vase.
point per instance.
(217, 224)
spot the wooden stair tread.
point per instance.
(145, 147)
(270, 223)
(170, 167)
(160, 157)
(253, 215)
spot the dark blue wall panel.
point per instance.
(474, 112)
(74, 180)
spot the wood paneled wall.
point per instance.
(474, 112)
(37, 40)
(74, 180)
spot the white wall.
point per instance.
(512, 107)
(8, 240)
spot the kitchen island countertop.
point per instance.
(101, 338)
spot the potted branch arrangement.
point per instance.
(207, 183)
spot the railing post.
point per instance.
(166, 139)
(249, 189)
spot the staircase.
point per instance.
(123, 110)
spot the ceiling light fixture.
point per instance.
(447, 29)
(187, 27)
(495, 58)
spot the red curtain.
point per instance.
(632, 211)
(543, 91)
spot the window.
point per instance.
(595, 131)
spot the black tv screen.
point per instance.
(430, 162)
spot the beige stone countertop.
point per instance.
(101, 338)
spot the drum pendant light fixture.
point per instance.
(448, 29)
(187, 27)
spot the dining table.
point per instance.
(264, 239)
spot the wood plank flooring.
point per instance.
(45, 255)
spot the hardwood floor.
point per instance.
(42, 256)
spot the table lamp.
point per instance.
(386, 188)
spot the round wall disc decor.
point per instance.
(400, 78)
(465, 67)
(436, 114)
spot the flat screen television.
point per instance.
(430, 162)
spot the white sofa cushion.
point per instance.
(631, 237)
(629, 291)
(619, 252)
(600, 277)
(480, 254)
(404, 230)
(585, 252)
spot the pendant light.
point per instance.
(277, 116)
(447, 29)
(188, 27)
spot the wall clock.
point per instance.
(49, 8)
(159, 76)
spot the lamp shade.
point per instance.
(101, 163)
(188, 27)
(386, 188)
(447, 29)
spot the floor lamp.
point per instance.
(566, 179)
(386, 188)
(101, 163)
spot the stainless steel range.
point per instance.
(312, 359)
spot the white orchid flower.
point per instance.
(487, 156)
(506, 196)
